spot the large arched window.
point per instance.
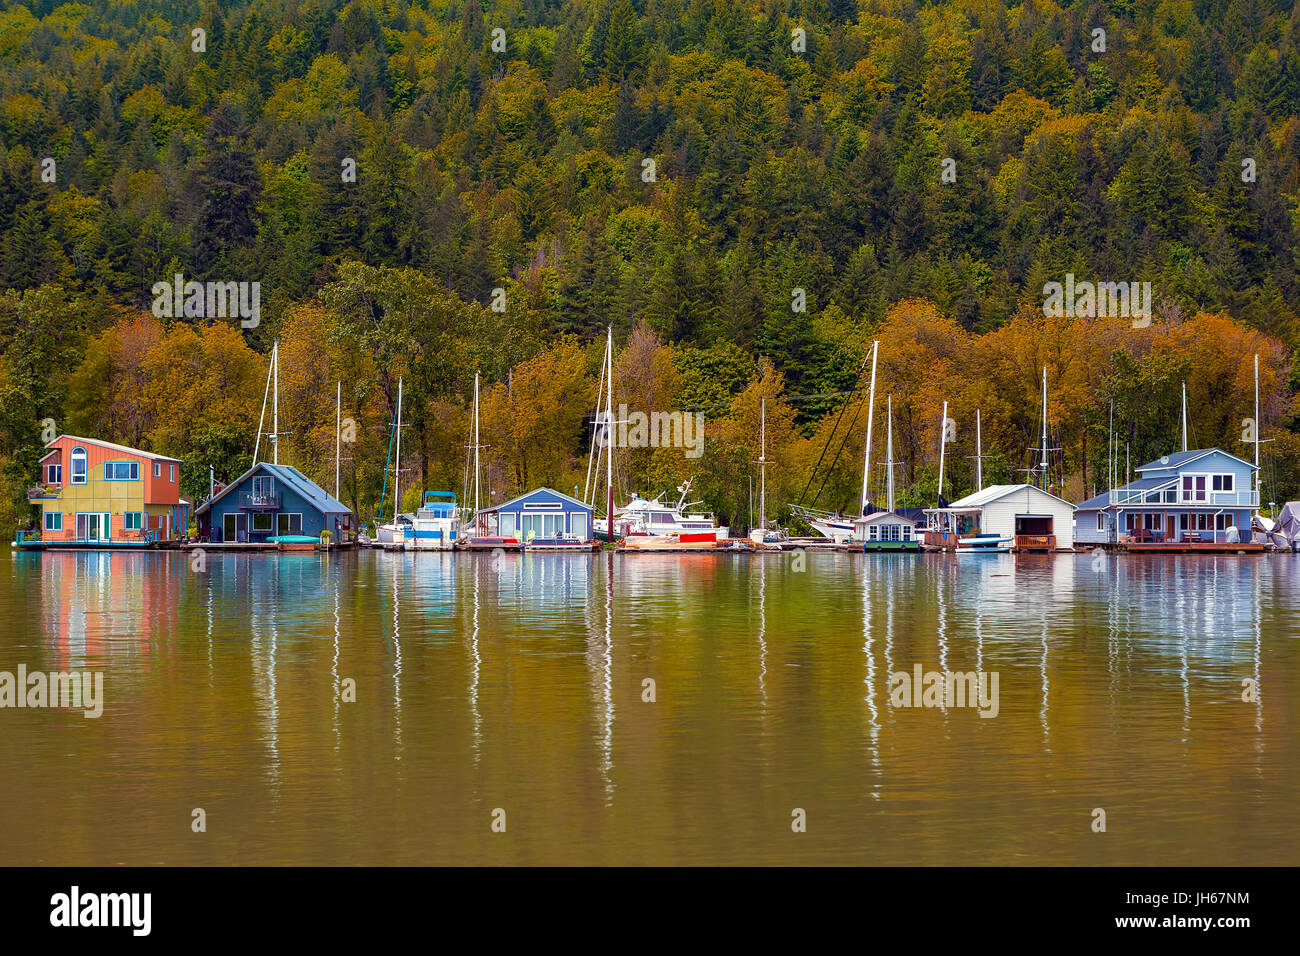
(78, 465)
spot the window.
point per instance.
(1193, 487)
(907, 532)
(54, 474)
(78, 465)
(121, 471)
(132, 520)
(1221, 522)
(507, 528)
(1222, 483)
(263, 487)
(171, 473)
(1101, 521)
(54, 521)
(287, 523)
(262, 522)
(1182, 522)
(157, 469)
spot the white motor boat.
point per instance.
(985, 543)
(436, 525)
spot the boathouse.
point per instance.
(542, 513)
(95, 493)
(1038, 520)
(269, 501)
(1204, 496)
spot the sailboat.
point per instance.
(644, 523)
(394, 534)
(838, 526)
(884, 530)
(763, 535)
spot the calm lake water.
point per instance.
(516, 682)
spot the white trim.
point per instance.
(108, 444)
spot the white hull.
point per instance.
(831, 528)
(985, 544)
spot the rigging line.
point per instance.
(847, 432)
(813, 474)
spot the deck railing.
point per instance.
(260, 500)
(1174, 496)
(1036, 542)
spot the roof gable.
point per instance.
(314, 494)
(992, 493)
(1179, 459)
(538, 491)
(78, 440)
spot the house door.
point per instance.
(92, 527)
(234, 528)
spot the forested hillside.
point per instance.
(749, 192)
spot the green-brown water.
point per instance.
(516, 682)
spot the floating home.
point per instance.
(95, 494)
(1035, 519)
(1192, 500)
(269, 502)
(540, 516)
(886, 531)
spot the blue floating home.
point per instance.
(270, 501)
(544, 515)
(1204, 497)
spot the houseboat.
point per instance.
(1198, 500)
(274, 506)
(542, 520)
(98, 495)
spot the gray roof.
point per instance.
(982, 497)
(1142, 484)
(550, 491)
(315, 495)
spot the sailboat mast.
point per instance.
(871, 414)
(338, 434)
(1184, 416)
(889, 453)
(943, 434)
(261, 418)
(476, 465)
(1043, 460)
(397, 469)
(762, 466)
(1259, 490)
(275, 426)
(609, 424)
(979, 454)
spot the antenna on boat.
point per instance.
(871, 413)
(1184, 416)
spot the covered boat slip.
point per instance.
(1033, 519)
